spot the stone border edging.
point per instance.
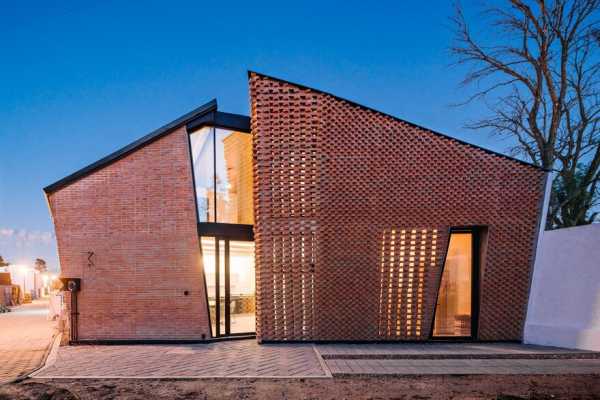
(524, 356)
(50, 357)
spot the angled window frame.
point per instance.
(476, 233)
(218, 230)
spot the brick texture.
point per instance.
(352, 213)
(138, 217)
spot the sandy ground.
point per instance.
(415, 387)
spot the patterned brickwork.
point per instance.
(352, 212)
(239, 358)
(137, 215)
(408, 263)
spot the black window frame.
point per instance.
(475, 232)
(219, 230)
(227, 294)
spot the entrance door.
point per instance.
(230, 283)
(457, 302)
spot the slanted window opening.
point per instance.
(457, 302)
(223, 186)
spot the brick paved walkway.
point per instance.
(455, 359)
(441, 350)
(25, 335)
(240, 358)
(375, 367)
(245, 358)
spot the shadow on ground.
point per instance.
(505, 387)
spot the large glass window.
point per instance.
(454, 309)
(223, 175)
(230, 283)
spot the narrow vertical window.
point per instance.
(242, 286)
(453, 313)
(208, 250)
(202, 144)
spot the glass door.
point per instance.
(230, 283)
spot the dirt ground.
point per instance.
(414, 387)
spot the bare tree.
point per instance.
(538, 71)
(3, 263)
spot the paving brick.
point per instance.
(25, 337)
(237, 358)
(448, 350)
(457, 367)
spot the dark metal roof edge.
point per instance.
(236, 122)
(495, 153)
(233, 121)
(122, 152)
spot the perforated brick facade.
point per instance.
(138, 217)
(352, 214)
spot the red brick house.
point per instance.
(314, 219)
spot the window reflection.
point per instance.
(234, 177)
(453, 311)
(227, 190)
(202, 144)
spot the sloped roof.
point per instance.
(201, 115)
(401, 120)
(149, 138)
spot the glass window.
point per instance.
(222, 290)
(207, 245)
(202, 143)
(453, 310)
(230, 276)
(224, 194)
(234, 177)
(242, 286)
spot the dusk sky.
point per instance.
(80, 80)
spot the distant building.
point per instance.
(5, 289)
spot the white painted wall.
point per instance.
(564, 303)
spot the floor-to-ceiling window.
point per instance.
(222, 165)
(230, 284)
(454, 313)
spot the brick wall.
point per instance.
(138, 217)
(352, 212)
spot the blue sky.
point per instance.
(79, 80)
